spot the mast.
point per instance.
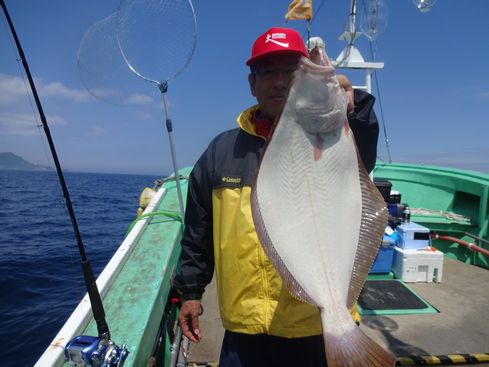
(350, 57)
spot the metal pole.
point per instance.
(175, 347)
(368, 80)
(353, 16)
(169, 128)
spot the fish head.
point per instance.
(317, 98)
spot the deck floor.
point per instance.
(460, 327)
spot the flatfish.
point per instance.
(318, 216)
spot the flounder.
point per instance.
(318, 216)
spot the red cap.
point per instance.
(275, 41)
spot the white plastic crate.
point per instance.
(412, 265)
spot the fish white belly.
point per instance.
(317, 214)
(315, 227)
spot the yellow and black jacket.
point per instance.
(220, 235)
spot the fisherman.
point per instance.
(264, 324)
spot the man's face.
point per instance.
(270, 83)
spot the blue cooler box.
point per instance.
(413, 236)
(385, 256)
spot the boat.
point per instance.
(142, 307)
(136, 285)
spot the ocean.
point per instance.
(41, 281)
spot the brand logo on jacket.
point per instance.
(235, 180)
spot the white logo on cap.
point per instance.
(274, 36)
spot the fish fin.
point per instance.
(373, 222)
(355, 349)
(292, 285)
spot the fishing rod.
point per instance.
(103, 339)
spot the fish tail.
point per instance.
(356, 349)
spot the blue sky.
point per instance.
(434, 87)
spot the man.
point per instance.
(265, 325)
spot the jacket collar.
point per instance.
(247, 122)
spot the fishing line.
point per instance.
(350, 28)
(309, 22)
(316, 13)
(384, 127)
(94, 295)
(36, 121)
(22, 75)
(377, 86)
(387, 146)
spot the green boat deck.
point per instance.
(136, 301)
(455, 203)
(446, 200)
(459, 328)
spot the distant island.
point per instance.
(10, 161)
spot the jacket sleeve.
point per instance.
(197, 257)
(363, 123)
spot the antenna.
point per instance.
(350, 57)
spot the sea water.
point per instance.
(41, 280)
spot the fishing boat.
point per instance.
(136, 286)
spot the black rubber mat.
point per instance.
(391, 297)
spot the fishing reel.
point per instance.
(94, 351)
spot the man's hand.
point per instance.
(346, 85)
(189, 320)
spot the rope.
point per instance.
(310, 21)
(449, 359)
(172, 215)
(440, 213)
(159, 182)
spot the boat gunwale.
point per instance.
(82, 315)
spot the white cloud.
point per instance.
(95, 131)
(13, 89)
(56, 89)
(483, 96)
(146, 115)
(475, 159)
(24, 124)
(138, 99)
(110, 95)
(460, 160)
(120, 97)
